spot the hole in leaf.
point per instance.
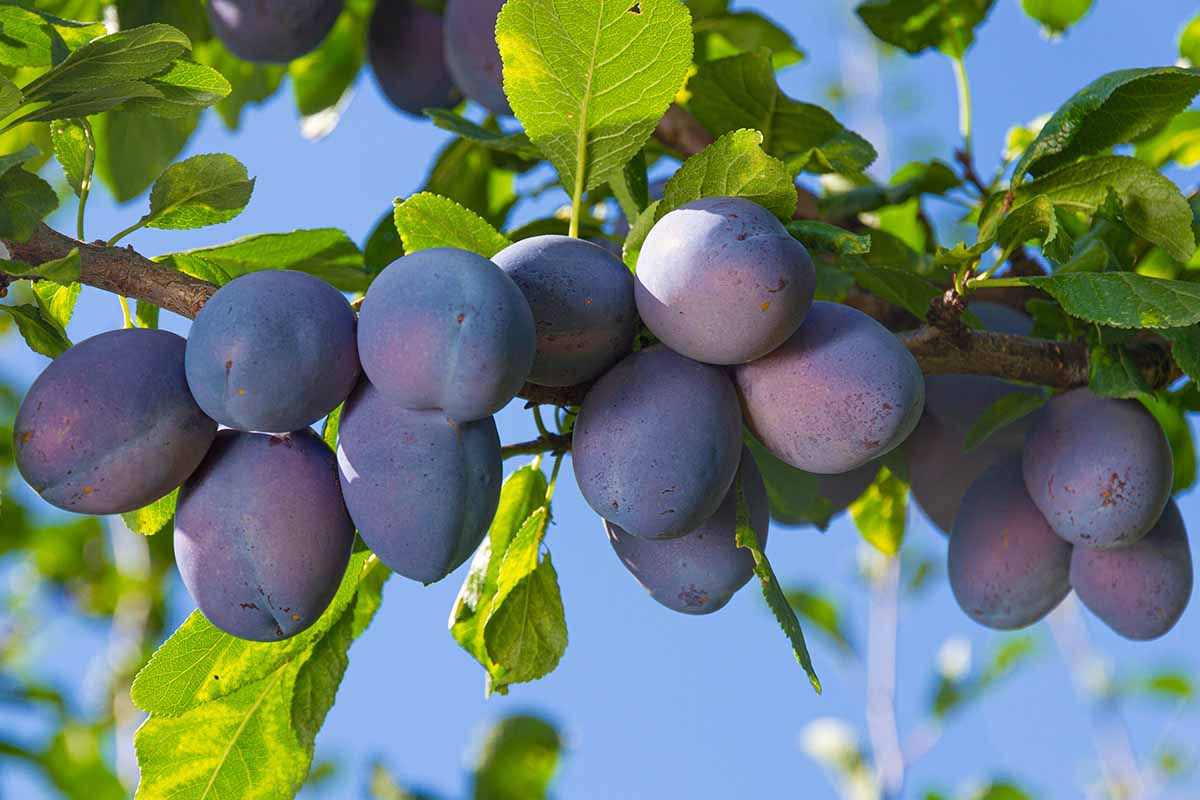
(636, 8)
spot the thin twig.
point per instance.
(555, 443)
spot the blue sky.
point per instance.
(655, 704)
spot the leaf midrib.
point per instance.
(241, 727)
(581, 132)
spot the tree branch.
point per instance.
(118, 270)
(1019, 358)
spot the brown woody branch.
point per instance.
(938, 351)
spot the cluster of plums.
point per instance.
(421, 59)
(265, 522)
(1076, 496)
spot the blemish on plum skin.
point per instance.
(461, 317)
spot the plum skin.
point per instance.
(657, 443)
(406, 51)
(272, 31)
(840, 392)
(1100, 469)
(110, 426)
(1139, 591)
(472, 53)
(446, 329)
(582, 303)
(262, 538)
(273, 351)
(721, 280)
(421, 487)
(699, 572)
(1007, 568)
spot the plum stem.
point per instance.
(556, 443)
(85, 180)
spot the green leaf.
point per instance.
(793, 494)
(180, 674)
(133, 148)
(638, 232)
(742, 32)
(258, 705)
(1169, 685)
(1179, 141)
(37, 39)
(516, 143)
(526, 633)
(470, 175)
(184, 88)
(999, 415)
(1112, 373)
(26, 154)
(1093, 256)
(821, 610)
(825, 238)
(732, 166)
(199, 191)
(1185, 349)
(521, 497)
(1124, 299)
(42, 333)
(153, 518)
(326, 253)
(70, 142)
(383, 245)
(1002, 790)
(57, 302)
(917, 25)
(1189, 42)
(10, 97)
(63, 270)
(777, 601)
(1036, 220)
(92, 101)
(901, 287)
(426, 220)
(123, 56)
(631, 188)
(329, 433)
(320, 78)
(590, 79)
(1118, 107)
(740, 92)
(517, 760)
(1056, 15)
(910, 181)
(1152, 206)
(25, 200)
(881, 512)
